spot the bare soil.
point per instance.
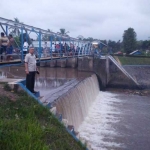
(10, 94)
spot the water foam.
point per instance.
(97, 130)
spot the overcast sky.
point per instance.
(102, 19)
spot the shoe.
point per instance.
(34, 91)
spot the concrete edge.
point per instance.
(9, 65)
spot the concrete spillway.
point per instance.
(74, 105)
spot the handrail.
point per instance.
(123, 70)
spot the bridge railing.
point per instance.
(44, 54)
(81, 48)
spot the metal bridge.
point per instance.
(65, 46)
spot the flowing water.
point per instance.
(75, 104)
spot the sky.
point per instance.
(101, 19)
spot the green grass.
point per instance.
(134, 60)
(26, 125)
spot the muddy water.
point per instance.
(49, 81)
(117, 121)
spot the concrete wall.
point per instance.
(99, 67)
(96, 65)
(70, 62)
(85, 63)
(109, 75)
(118, 79)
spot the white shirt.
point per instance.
(31, 61)
(53, 47)
(25, 46)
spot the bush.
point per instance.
(7, 87)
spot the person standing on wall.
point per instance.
(30, 69)
(3, 45)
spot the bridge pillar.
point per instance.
(85, 63)
(52, 63)
(42, 64)
(47, 64)
(61, 63)
(72, 62)
(107, 70)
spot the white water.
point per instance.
(96, 127)
(75, 104)
(92, 113)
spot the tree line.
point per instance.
(127, 45)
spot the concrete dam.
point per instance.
(101, 119)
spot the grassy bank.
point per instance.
(26, 125)
(133, 60)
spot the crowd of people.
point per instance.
(6, 46)
(55, 49)
(65, 49)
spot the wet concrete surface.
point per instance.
(141, 73)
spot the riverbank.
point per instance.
(145, 92)
(25, 124)
(133, 60)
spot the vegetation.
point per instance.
(46, 37)
(134, 60)
(7, 87)
(62, 31)
(14, 30)
(26, 125)
(129, 40)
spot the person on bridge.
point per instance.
(30, 69)
(10, 47)
(25, 47)
(3, 45)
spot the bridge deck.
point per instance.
(38, 59)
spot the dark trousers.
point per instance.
(2, 50)
(30, 80)
(24, 54)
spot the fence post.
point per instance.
(22, 56)
(51, 46)
(39, 50)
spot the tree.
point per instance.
(15, 31)
(80, 37)
(25, 37)
(112, 45)
(129, 40)
(145, 44)
(62, 31)
(46, 37)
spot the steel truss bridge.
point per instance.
(79, 47)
